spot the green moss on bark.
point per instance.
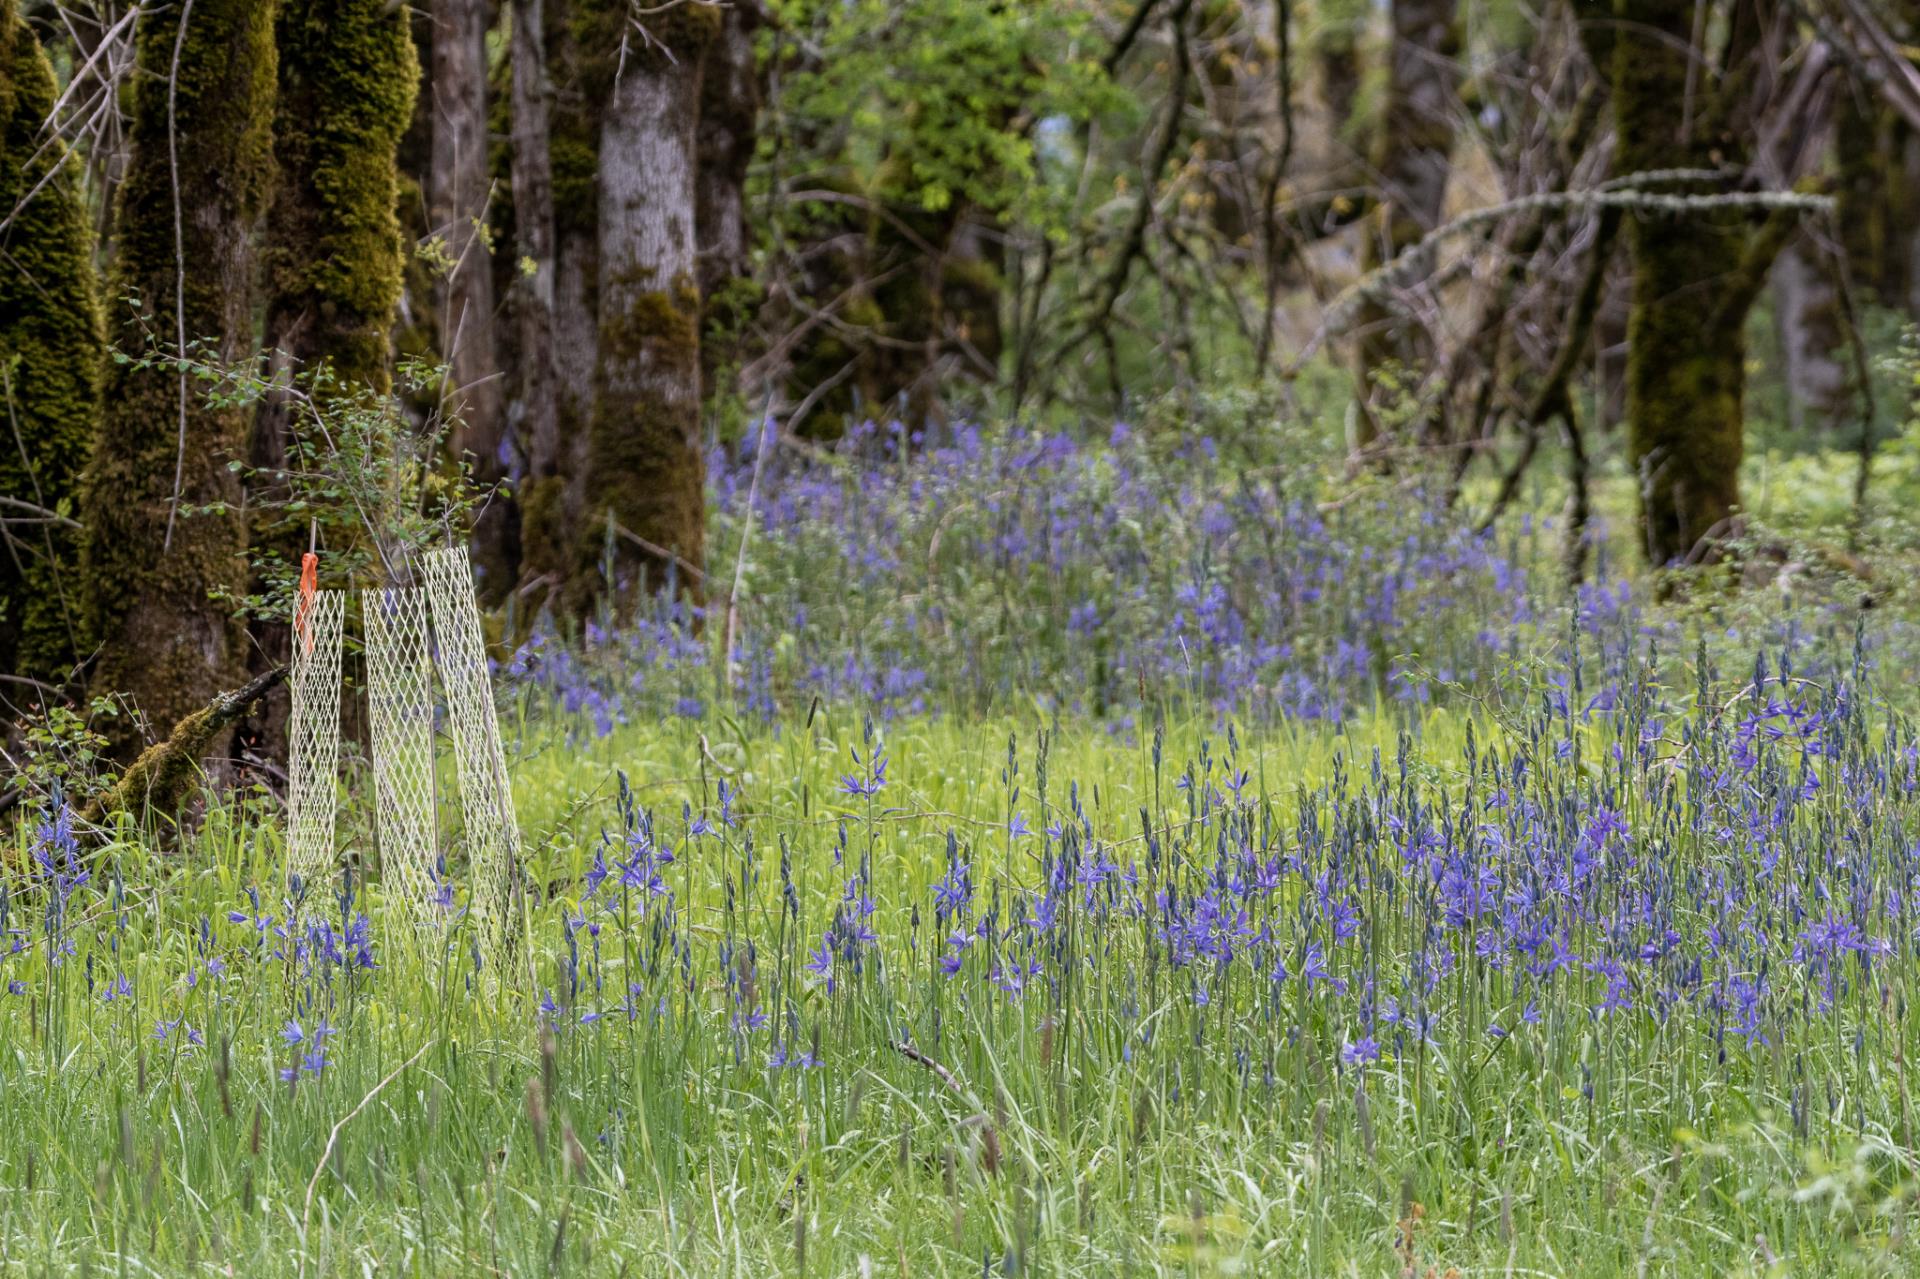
(1694, 277)
(50, 347)
(643, 439)
(160, 570)
(334, 257)
(643, 459)
(677, 35)
(334, 261)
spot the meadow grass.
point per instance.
(600, 1101)
(1069, 861)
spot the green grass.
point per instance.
(466, 1142)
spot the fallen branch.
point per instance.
(946, 1076)
(166, 771)
(333, 1137)
(1417, 259)
(989, 1134)
(656, 550)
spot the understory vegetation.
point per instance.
(1039, 858)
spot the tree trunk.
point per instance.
(730, 93)
(644, 468)
(537, 408)
(457, 207)
(1879, 202)
(50, 349)
(160, 569)
(333, 258)
(1685, 379)
(1695, 275)
(1807, 311)
(553, 499)
(1413, 142)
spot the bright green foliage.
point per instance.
(935, 102)
(366, 478)
(49, 364)
(923, 125)
(164, 542)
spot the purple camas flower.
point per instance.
(868, 782)
(1361, 1052)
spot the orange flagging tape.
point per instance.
(309, 581)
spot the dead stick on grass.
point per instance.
(333, 1138)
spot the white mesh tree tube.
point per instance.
(313, 735)
(400, 711)
(486, 799)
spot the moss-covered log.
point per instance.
(50, 350)
(164, 542)
(165, 774)
(644, 464)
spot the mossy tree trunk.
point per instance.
(1413, 140)
(458, 188)
(50, 352)
(333, 258)
(1695, 274)
(537, 403)
(553, 497)
(730, 94)
(645, 470)
(165, 542)
(1877, 158)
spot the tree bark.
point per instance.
(333, 260)
(50, 349)
(1413, 142)
(537, 408)
(1694, 277)
(164, 541)
(1877, 158)
(730, 93)
(644, 466)
(1807, 311)
(333, 254)
(553, 497)
(458, 184)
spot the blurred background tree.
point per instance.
(1491, 249)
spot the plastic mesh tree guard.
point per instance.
(400, 714)
(486, 798)
(313, 733)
